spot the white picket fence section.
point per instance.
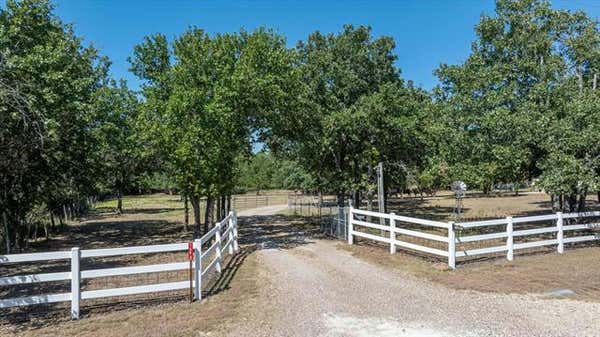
(224, 236)
(394, 225)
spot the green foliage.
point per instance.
(522, 105)
(47, 83)
(265, 171)
(353, 110)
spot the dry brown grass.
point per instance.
(577, 269)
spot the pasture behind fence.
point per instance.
(223, 235)
(466, 240)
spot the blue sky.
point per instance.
(427, 33)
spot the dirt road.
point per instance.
(310, 287)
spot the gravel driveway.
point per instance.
(313, 288)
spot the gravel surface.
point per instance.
(313, 288)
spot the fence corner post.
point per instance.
(392, 233)
(350, 227)
(219, 256)
(510, 244)
(198, 269)
(451, 246)
(560, 234)
(75, 282)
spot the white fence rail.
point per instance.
(451, 233)
(224, 236)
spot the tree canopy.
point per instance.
(522, 108)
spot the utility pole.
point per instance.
(380, 192)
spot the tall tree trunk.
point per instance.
(195, 200)
(186, 212)
(582, 197)
(52, 222)
(571, 202)
(119, 201)
(561, 201)
(228, 204)
(224, 206)
(208, 215)
(65, 215)
(341, 199)
(6, 233)
(219, 209)
(599, 197)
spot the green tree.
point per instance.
(47, 83)
(116, 146)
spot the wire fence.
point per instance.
(323, 210)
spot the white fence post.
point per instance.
(218, 242)
(560, 234)
(350, 227)
(230, 233)
(236, 248)
(392, 233)
(451, 246)
(510, 245)
(198, 269)
(75, 282)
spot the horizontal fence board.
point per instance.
(421, 248)
(482, 223)
(472, 238)
(370, 225)
(40, 299)
(542, 230)
(225, 233)
(210, 250)
(35, 278)
(370, 213)
(421, 235)
(582, 226)
(371, 236)
(85, 274)
(226, 245)
(418, 221)
(209, 235)
(32, 257)
(480, 251)
(535, 218)
(210, 266)
(535, 244)
(581, 215)
(149, 288)
(581, 238)
(171, 247)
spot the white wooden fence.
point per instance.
(224, 236)
(452, 233)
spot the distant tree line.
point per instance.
(523, 107)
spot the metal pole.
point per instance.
(380, 194)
